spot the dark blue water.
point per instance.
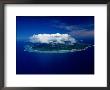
(81, 62)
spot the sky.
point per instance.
(76, 26)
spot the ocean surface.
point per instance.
(80, 62)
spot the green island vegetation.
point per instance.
(56, 47)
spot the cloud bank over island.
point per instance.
(52, 38)
(54, 43)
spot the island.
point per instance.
(55, 47)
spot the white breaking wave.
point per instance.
(52, 38)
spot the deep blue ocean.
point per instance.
(80, 62)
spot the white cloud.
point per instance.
(51, 38)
